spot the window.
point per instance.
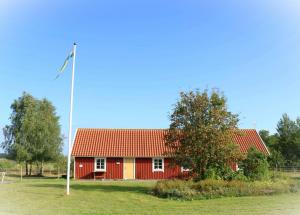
(100, 164)
(158, 164)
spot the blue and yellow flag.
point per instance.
(64, 66)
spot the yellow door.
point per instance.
(128, 168)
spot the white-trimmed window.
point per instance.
(157, 164)
(100, 164)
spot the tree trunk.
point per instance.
(21, 172)
(37, 172)
(30, 168)
(26, 166)
(40, 168)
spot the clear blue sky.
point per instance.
(134, 57)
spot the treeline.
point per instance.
(34, 135)
(284, 145)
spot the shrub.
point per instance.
(174, 189)
(212, 173)
(236, 175)
(211, 188)
(255, 166)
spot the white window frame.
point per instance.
(95, 165)
(158, 170)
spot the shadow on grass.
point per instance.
(31, 176)
(98, 187)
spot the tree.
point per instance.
(15, 135)
(60, 164)
(275, 159)
(255, 166)
(34, 131)
(271, 141)
(289, 139)
(48, 141)
(21, 156)
(200, 133)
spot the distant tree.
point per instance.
(275, 159)
(289, 139)
(200, 133)
(271, 140)
(60, 164)
(34, 132)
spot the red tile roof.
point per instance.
(141, 142)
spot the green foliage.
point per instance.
(255, 166)
(6, 164)
(34, 132)
(61, 163)
(200, 134)
(225, 173)
(289, 139)
(276, 159)
(285, 144)
(211, 188)
(174, 189)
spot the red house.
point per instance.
(134, 153)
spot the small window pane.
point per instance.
(158, 164)
(100, 164)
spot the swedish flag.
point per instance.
(65, 64)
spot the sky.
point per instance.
(134, 57)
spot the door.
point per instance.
(129, 168)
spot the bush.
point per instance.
(174, 189)
(6, 164)
(211, 188)
(255, 166)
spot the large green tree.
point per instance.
(200, 133)
(34, 132)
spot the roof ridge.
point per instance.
(247, 129)
(243, 129)
(123, 128)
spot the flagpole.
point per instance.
(70, 122)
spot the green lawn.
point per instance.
(46, 196)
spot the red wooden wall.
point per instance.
(143, 169)
(113, 170)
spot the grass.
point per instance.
(46, 196)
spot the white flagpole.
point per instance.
(70, 122)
